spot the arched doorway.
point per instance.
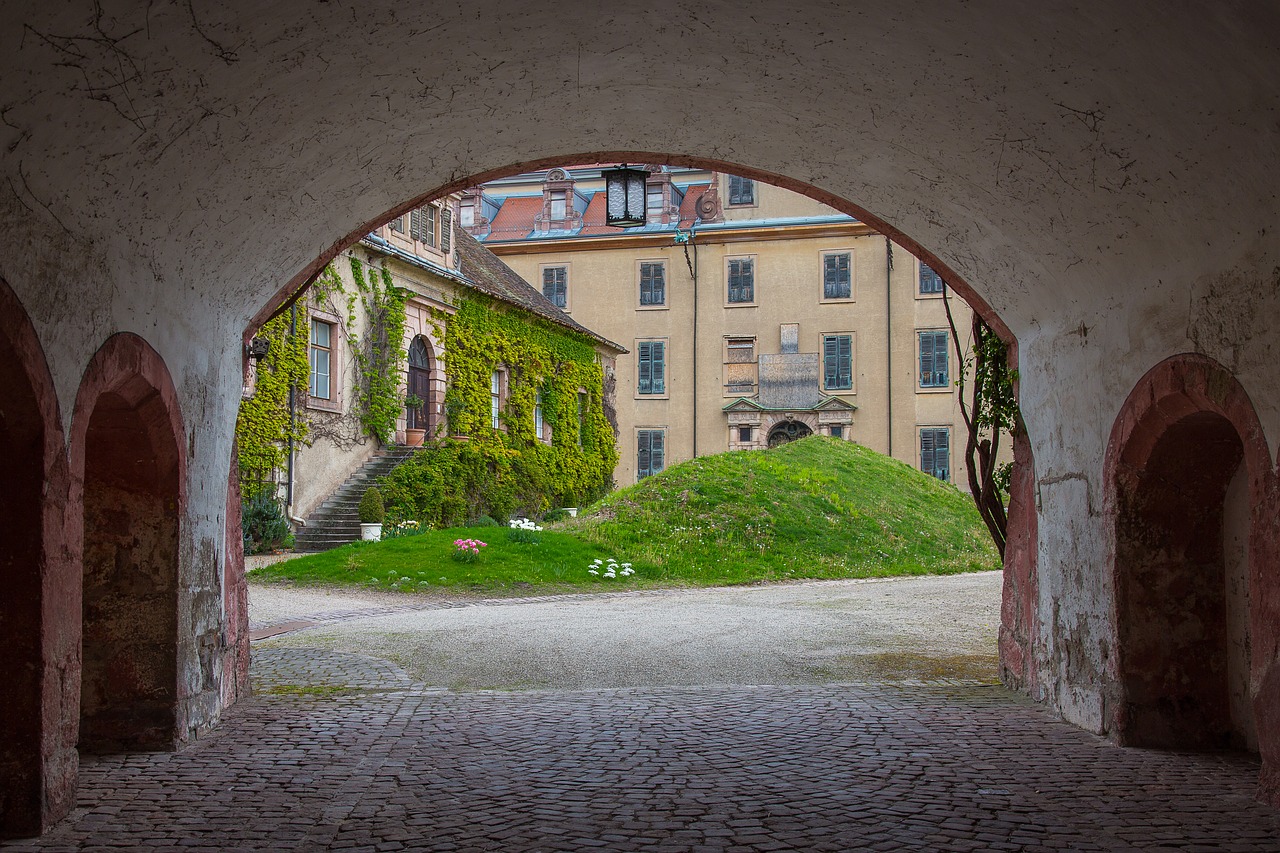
(788, 431)
(421, 389)
(130, 457)
(1181, 476)
(37, 757)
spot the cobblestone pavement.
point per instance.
(368, 761)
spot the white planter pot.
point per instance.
(370, 532)
(572, 510)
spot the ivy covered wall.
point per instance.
(479, 470)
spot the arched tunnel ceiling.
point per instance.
(1045, 154)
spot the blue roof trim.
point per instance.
(729, 225)
(382, 245)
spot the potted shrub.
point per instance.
(372, 511)
(414, 437)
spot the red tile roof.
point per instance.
(688, 208)
(593, 219)
(515, 218)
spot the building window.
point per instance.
(446, 230)
(650, 452)
(744, 435)
(930, 281)
(935, 452)
(495, 397)
(537, 415)
(652, 202)
(397, 224)
(321, 359)
(742, 280)
(653, 284)
(651, 360)
(467, 213)
(740, 368)
(555, 285)
(933, 359)
(741, 190)
(837, 276)
(837, 431)
(422, 225)
(837, 362)
(559, 205)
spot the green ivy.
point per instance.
(498, 472)
(263, 426)
(380, 356)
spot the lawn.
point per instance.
(816, 508)
(425, 563)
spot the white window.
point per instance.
(653, 200)
(468, 213)
(537, 415)
(321, 359)
(495, 397)
(558, 205)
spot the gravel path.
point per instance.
(934, 629)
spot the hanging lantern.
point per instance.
(624, 195)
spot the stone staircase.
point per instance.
(337, 521)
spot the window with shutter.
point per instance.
(741, 190)
(653, 284)
(837, 276)
(650, 453)
(742, 285)
(446, 230)
(555, 285)
(935, 452)
(930, 281)
(933, 360)
(651, 362)
(837, 362)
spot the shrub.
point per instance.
(263, 523)
(483, 521)
(371, 509)
(555, 515)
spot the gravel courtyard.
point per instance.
(904, 629)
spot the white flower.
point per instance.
(592, 571)
(610, 575)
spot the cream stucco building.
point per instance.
(752, 314)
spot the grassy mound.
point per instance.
(815, 508)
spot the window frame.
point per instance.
(934, 386)
(853, 275)
(332, 403)
(852, 337)
(665, 391)
(542, 278)
(641, 263)
(650, 432)
(498, 398)
(945, 430)
(921, 266)
(750, 184)
(737, 342)
(729, 261)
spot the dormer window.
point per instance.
(562, 206)
(467, 213)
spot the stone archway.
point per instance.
(788, 431)
(127, 458)
(1186, 460)
(37, 759)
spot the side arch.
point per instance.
(39, 630)
(128, 479)
(1190, 493)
